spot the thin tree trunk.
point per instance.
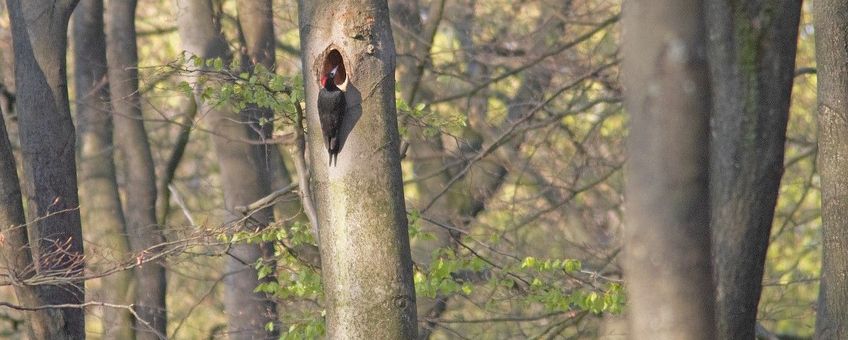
(256, 22)
(831, 24)
(256, 25)
(667, 239)
(244, 174)
(414, 42)
(752, 68)
(39, 35)
(140, 188)
(366, 263)
(101, 208)
(427, 154)
(186, 126)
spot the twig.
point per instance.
(181, 203)
(130, 308)
(506, 319)
(805, 70)
(267, 200)
(303, 173)
(194, 306)
(175, 158)
(515, 71)
(436, 11)
(509, 132)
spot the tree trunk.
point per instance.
(667, 239)
(15, 252)
(134, 146)
(831, 26)
(752, 64)
(101, 208)
(366, 264)
(39, 35)
(244, 174)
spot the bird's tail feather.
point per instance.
(333, 150)
(334, 144)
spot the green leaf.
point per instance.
(185, 88)
(572, 266)
(277, 83)
(529, 262)
(264, 271)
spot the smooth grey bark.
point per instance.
(140, 188)
(244, 174)
(101, 204)
(751, 49)
(39, 36)
(365, 257)
(831, 24)
(667, 239)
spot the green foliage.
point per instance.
(568, 265)
(448, 274)
(608, 298)
(415, 231)
(287, 278)
(439, 278)
(311, 329)
(234, 85)
(557, 285)
(431, 122)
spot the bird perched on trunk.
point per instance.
(331, 111)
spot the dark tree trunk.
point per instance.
(752, 63)
(39, 35)
(244, 174)
(140, 188)
(15, 252)
(101, 206)
(831, 24)
(366, 264)
(667, 239)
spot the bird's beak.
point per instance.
(333, 72)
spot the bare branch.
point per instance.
(181, 203)
(266, 201)
(129, 308)
(303, 173)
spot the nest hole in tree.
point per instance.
(331, 60)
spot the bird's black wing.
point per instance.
(331, 108)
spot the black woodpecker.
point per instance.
(331, 111)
